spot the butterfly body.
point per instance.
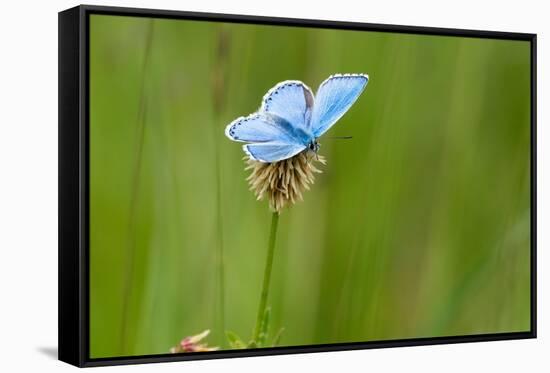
(291, 119)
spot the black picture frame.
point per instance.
(73, 252)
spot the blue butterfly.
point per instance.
(291, 119)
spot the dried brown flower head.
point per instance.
(192, 344)
(285, 181)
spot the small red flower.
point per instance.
(192, 344)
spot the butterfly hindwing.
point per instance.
(333, 99)
(272, 151)
(258, 127)
(270, 137)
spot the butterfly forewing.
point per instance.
(333, 99)
(290, 100)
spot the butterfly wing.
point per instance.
(272, 151)
(333, 99)
(290, 100)
(258, 127)
(269, 137)
(278, 130)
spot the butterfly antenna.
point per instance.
(339, 137)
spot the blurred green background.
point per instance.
(418, 227)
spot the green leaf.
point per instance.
(234, 340)
(277, 337)
(264, 328)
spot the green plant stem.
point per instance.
(267, 274)
(218, 88)
(220, 248)
(134, 196)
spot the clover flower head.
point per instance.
(283, 182)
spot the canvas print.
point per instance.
(259, 186)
